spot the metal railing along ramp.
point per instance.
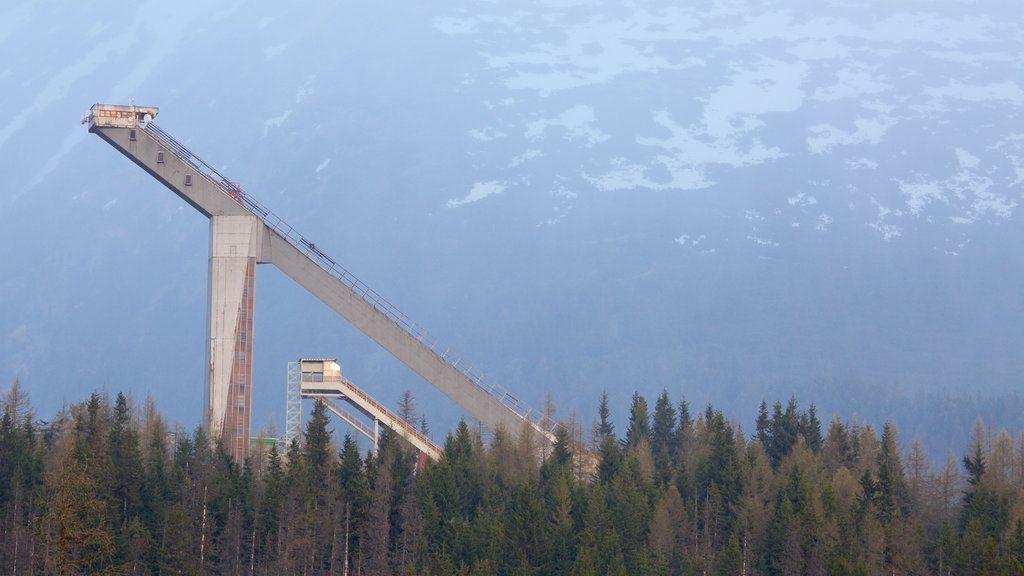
(342, 387)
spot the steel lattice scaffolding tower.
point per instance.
(293, 405)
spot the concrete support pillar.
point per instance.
(234, 251)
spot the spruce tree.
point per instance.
(604, 427)
(126, 461)
(639, 421)
(663, 440)
(317, 449)
(892, 495)
(763, 426)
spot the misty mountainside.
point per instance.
(734, 201)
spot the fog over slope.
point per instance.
(735, 201)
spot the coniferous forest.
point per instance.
(105, 488)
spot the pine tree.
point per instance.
(607, 445)
(584, 564)
(629, 507)
(731, 560)
(409, 521)
(126, 464)
(663, 440)
(722, 465)
(763, 425)
(529, 529)
(407, 408)
(639, 421)
(268, 512)
(985, 513)
(892, 493)
(810, 427)
(560, 459)
(605, 427)
(376, 531)
(9, 453)
(1016, 548)
(610, 459)
(178, 549)
(683, 434)
(780, 434)
(561, 525)
(353, 502)
(317, 450)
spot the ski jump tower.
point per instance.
(243, 233)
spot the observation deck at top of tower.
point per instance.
(119, 116)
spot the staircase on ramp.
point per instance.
(321, 378)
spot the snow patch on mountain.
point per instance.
(695, 243)
(595, 52)
(525, 157)
(479, 191)
(852, 82)
(1005, 92)
(970, 191)
(921, 194)
(761, 241)
(687, 240)
(966, 159)
(275, 122)
(306, 90)
(862, 164)
(564, 204)
(731, 114)
(825, 137)
(687, 152)
(972, 59)
(802, 199)
(627, 175)
(751, 215)
(1011, 147)
(755, 81)
(486, 134)
(768, 86)
(577, 123)
(457, 25)
(454, 25)
(888, 230)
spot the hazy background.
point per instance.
(734, 202)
